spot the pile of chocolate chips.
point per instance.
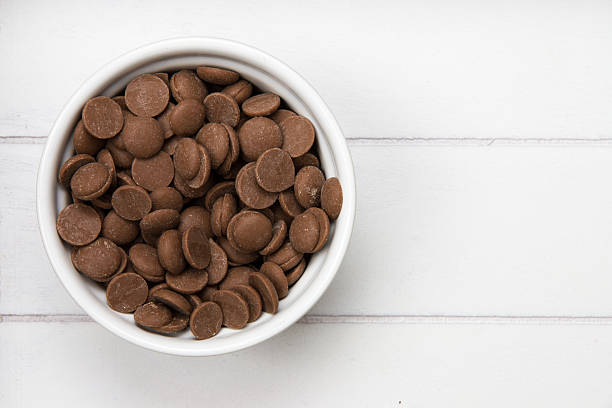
(196, 200)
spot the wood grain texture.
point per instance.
(313, 365)
(475, 231)
(438, 69)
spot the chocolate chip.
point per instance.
(153, 315)
(207, 292)
(99, 260)
(263, 104)
(153, 173)
(147, 95)
(164, 77)
(308, 183)
(218, 76)
(307, 159)
(170, 252)
(222, 212)
(205, 321)
(146, 263)
(166, 198)
(204, 171)
(217, 268)
(102, 117)
(195, 217)
(131, 202)
(277, 277)
(106, 159)
(324, 227)
(289, 203)
(143, 137)
(121, 158)
(274, 170)
(295, 274)
(331, 197)
(78, 224)
(298, 135)
(238, 275)
(156, 223)
(234, 307)
(252, 299)
(218, 190)
(249, 190)
(196, 248)
(126, 291)
(164, 121)
(281, 115)
(286, 257)
(124, 178)
(187, 117)
(304, 232)
(221, 108)
(178, 323)
(215, 137)
(119, 230)
(189, 282)
(240, 91)
(186, 85)
(279, 233)
(70, 167)
(173, 300)
(84, 142)
(90, 181)
(258, 135)
(155, 288)
(187, 158)
(266, 290)
(249, 231)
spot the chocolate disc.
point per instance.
(266, 290)
(152, 314)
(217, 268)
(166, 198)
(281, 115)
(131, 202)
(119, 230)
(274, 170)
(146, 263)
(195, 216)
(143, 137)
(90, 181)
(249, 190)
(153, 173)
(186, 85)
(279, 233)
(205, 321)
(187, 117)
(298, 135)
(217, 76)
(126, 291)
(102, 117)
(215, 137)
(258, 135)
(78, 224)
(331, 197)
(308, 183)
(196, 248)
(70, 167)
(99, 260)
(238, 275)
(170, 252)
(295, 274)
(190, 281)
(263, 104)
(173, 300)
(84, 142)
(249, 231)
(234, 307)
(221, 108)
(253, 300)
(239, 91)
(147, 95)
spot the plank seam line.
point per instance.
(364, 319)
(419, 141)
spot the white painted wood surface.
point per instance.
(480, 269)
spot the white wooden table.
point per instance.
(480, 270)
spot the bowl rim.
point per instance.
(46, 186)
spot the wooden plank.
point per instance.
(315, 365)
(440, 231)
(439, 69)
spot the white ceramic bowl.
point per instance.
(266, 72)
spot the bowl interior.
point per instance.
(110, 81)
